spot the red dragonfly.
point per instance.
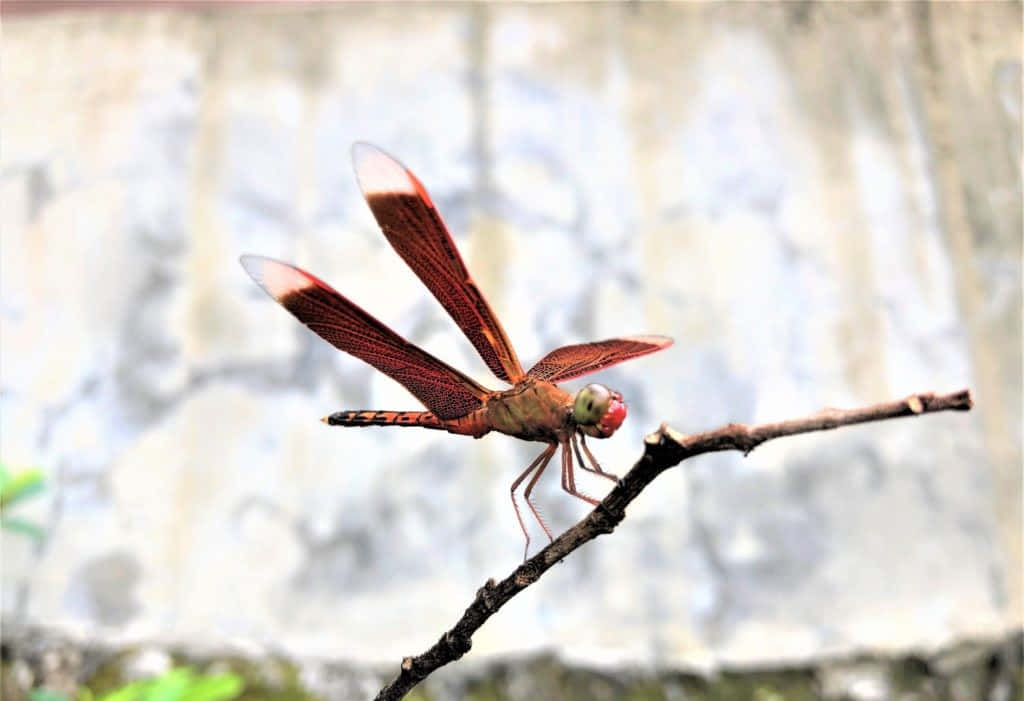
(534, 409)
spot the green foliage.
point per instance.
(15, 487)
(45, 695)
(263, 680)
(178, 684)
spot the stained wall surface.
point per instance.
(820, 203)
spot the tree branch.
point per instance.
(663, 449)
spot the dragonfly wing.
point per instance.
(568, 362)
(411, 224)
(442, 389)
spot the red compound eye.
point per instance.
(613, 417)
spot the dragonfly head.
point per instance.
(598, 411)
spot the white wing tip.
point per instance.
(379, 173)
(276, 278)
(659, 341)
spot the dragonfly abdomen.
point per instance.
(423, 419)
(469, 424)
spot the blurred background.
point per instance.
(821, 203)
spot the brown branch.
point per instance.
(662, 450)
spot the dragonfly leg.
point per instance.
(539, 464)
(596, 469)
(569, 482)
(565, 471)
(529, 488)
(568, 477)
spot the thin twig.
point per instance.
(663, 449)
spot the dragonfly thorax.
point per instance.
(598, 411)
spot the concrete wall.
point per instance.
(821, 203)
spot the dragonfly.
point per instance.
(533, 409)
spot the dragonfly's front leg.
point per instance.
(569, 478)
(539, 464)
(596, 469)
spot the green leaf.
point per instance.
(220, 687)
(25, 527)
(21, 485)
(42, 694)
(128, 692)
(178, 684)
(171, 686)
